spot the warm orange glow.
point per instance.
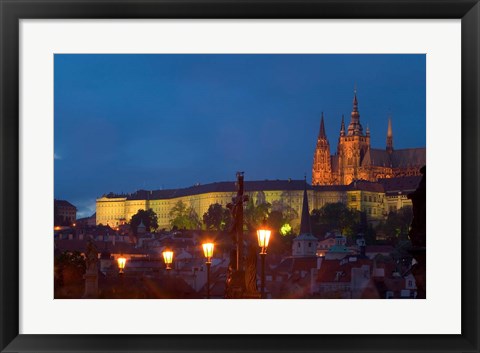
(263, 236)
(57, 228)
(168, 258)
(121, 263)
(208, 251)
(74, 224)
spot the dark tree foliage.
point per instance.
(69, 268)
(288, 212)
(397, 224)
(254, 214)
(276, 221)
(337, 217)
(367, 230)
(217, 218)
(149, 219)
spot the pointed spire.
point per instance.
(367, 131)
(355, 128)
(389, 136)
(342, 127)
(321, 134)
(355, 100)
(389, 130)
(305, 227)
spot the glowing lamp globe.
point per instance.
(263, 235)
(168, 258)
(121, 263)
(208, 251)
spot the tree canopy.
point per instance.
(183, 217)
(397, 224)
(337, 216)
(255, 213)
(149, 219)
(69, 267)
(217, 217)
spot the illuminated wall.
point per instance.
(119, 210)
(110, 211)
(370, 202)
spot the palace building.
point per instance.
(376, 199)
(374, 181)
(355, 159)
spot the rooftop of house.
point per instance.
(340, 270)
(223, 186)
(379, 249)
(364, 185)
(383, 185)
(63, 204)
(407, 184)
(293, 264)
(102, 246)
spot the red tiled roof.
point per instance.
(329, 269)
(102, 246)
(294, 264)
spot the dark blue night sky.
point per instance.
(127, 122)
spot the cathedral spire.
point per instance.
(322, 134)
(355, 128)
(305, 220)
(342, 127)
(389, 130)
(355, 100)
(389, 136)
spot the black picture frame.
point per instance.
(12, 11)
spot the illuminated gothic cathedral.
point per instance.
(356, 160)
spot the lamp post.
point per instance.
(121, 261)
(263, 235)
(208, 252)
(168, 258)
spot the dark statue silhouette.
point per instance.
(418, 234)
(242, 271)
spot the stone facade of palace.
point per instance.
(376, 199)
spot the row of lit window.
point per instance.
(353, 198)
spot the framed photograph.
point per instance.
(230, 176)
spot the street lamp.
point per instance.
(208, 252)
(121, 261)
(168, 258)
(263, 235)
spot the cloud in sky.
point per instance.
(56, 156)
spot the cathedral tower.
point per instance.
(352, 147)
(322, 168)
(356, 160)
